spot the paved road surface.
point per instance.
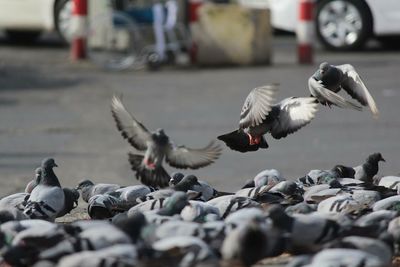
(50, 107)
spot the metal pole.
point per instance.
(305, 31)
(79, 29)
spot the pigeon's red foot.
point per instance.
(254, 140)
(149, 164)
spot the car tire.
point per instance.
(343, 24)
(62, 18)
(22, 37)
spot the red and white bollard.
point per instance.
(305, 31)
(79, 29)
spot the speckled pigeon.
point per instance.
(47, 199)
(328, 80)
(157, 146)
(260, 116)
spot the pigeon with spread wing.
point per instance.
(260, 116)
(328, 80)
(157, 146)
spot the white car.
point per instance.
(342, 24)
(24, 20)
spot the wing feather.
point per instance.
(257, 105)
(294, 113)
(356, 88)
(183, 157)
(130, 128)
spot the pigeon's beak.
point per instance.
(55, 165)
(197, 183)
(382, 159)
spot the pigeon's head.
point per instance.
(324, 67)
(160, 137)
(176, 177)
(48, 163)
(335, 184)
(376, 157)
(177, 201)
(191, 180)
(83, 184)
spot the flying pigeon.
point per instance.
(157, 146)
(260, 116)
(328, 80)
(47, 199)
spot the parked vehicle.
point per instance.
(25, 20)
(343, 24)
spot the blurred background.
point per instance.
(186, 67)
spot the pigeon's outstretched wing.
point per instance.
(183, 157)
(355, 87)
(130, 128)
(294, 113)
(257, 105)
(318, 90)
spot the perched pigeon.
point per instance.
(184, 185)
(148, 167)
(197, 211)
(260, 116)
(47, 199)
(328, 80)
(206, 190)
(265, 177)
(367, 170)
(89, 189)
(325, 176)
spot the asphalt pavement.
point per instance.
(50, 106)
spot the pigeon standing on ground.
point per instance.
(369, 169)
(328, 80)
(206, 190)
(157, 146)
(89, 189)
(260, 116)
(47, 198)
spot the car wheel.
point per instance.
(63, 17)
(22, 37)
(343, 24)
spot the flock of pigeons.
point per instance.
(342, 217)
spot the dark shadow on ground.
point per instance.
(27, 77)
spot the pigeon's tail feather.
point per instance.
(157, 177)
(238, 140)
